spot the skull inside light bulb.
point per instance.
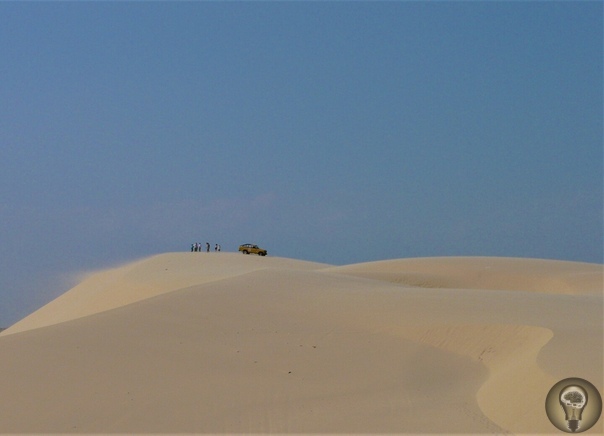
(573, 399)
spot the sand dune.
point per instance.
(144, 279)
(550, 276)
(222, 342)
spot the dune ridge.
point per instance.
(143, 279)
(495, 273)
(222, 342)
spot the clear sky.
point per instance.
(337, 132)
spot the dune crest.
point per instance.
(146, 278)
(493, 273)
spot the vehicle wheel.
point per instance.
(246, 252)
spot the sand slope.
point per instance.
(144, 279)
(222, 342)
(550, 276)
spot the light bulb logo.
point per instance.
(573, 399)
(573, 405)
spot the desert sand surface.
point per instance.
(229, 343)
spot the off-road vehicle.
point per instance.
(251, 248)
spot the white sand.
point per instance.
(222, 342)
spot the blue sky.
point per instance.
(337, 132)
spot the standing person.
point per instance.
(207, 247)
(216, 247)
(192, 247)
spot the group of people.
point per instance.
(198, 246)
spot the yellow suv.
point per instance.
(251, 248)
